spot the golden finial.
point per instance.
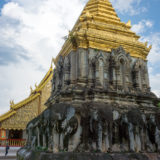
(146, 44)
(150, 47)
(129, 23)
(51, 64)
(11, 103)
(54, 61)
(36, 85)
(31, 89)
(88, 15)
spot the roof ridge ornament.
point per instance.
(31, 89)
(129, 23)
(11, 104)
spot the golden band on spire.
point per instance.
(100, 28)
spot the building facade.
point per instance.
(101, 99)
(13, 123)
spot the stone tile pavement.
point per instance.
(8, 158)
(11, 153)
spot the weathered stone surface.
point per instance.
(95, 126)
(92, 156)
(100, 102)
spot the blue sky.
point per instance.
(31, 34)
(2, 2)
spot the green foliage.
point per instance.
(41, 148)
(96, 50)
(159, 104)
(72, 38)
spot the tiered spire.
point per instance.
(101, 10)
(99, 27)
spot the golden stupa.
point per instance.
(100, 28)
(97, 27)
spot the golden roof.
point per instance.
(34, 94)
(99, 27)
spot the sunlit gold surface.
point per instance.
(21, 113)
(100, 28)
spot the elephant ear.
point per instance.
(70, 113)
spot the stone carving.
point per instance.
(55, 125)
(107, 129)
(110, 109)
(116, 71)
(66, 71)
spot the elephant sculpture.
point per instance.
(63, 124)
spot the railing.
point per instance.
(13, 142)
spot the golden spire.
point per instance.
(54, 61)
(128, 23)
(36, 85)
(51, 64)
(11, 103)
(99, 27)
(31, 89)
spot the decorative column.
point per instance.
(101, 72)
(112, 69)
(146, 78)
(66, 71)
(97, 79)
(106, 75)
(73, 68)
(92, 72)
(82, 66)
(128, 81)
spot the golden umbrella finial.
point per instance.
(31, 89)
(129, 23)
(36, 85)
(54, 61)
(11, 103)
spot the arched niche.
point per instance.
(123, 71)
(138, 72)
(59, 70)
(67, 70)
(122, 64)
(120, 69)
(98, 71)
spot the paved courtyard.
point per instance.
(8, 158)
(11, 154)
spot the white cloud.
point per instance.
(131, 7)
(142, 26)
(31, 34)
(16, 79)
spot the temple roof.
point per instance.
(99, 27)
(34, 94)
